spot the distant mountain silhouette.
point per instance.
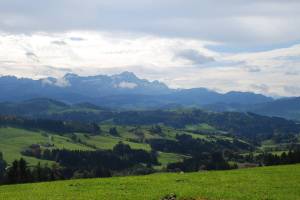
(124, 90)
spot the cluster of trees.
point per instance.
(291, 157)
(156, 129)
(122, 160)
(55, 126)
(186, 144)
(204, 155)
(102, 162)
(21, 172)
(217, 161)
(285, 138)
(203, 161)
(113, 131)
(267, 158)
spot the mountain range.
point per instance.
(121, 90)
(127, 91)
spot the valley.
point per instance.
(149, 100)
(149, 130)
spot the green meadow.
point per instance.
(262, 183)
(14, 140)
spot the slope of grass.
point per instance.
(165, 158)
(265, 183)
(200, 127)
(108, 142)
(14, 140)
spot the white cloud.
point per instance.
(60, 82)
(127, 85)
(97, 52)
(35, 55)
(178, 42)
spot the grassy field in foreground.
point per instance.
(265, 183)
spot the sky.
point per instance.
(221, 45)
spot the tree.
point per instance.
(96, 129)
(140, 134)
(37, 172)
(113, 131)
(2, 167)
(12, 172)
(24, 173)
(121, 149)
(156, 129)
(18, 172)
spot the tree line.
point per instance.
(186, 144)
(80, 164)
(122, 160)
(217, 161)
(249, 126)
(268, 159)
(50, 125)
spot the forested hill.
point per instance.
(286, 107)
(248, 125)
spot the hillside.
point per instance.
(16, 140)
(161, 130)
(138, 142)
(44, 107)
(248, 125)
(286, 107)
(276, 183)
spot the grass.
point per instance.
(14, 140)
(264, 183)
(108, 142)
(165, 158)
(200, 127)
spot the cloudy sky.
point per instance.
(222, 45)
